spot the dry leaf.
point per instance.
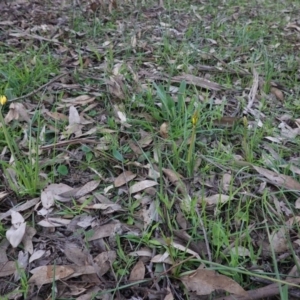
(105, 231)
(226, 121)
(15, 235)
(240, 251)
(8, 268)
(169, 296)
(226, 180)
(87, 188)
(146, 140)
(58, 189)
(75, 254)
(47, 199)
(116, 86)
(164, 129)
(204, 282)
(36, 255)
(56, 115)
(17, 111)
(162, 258)
(81, 100)
(279, 179)
(138, 272)
(278, 93)
(109, 207)
(184, 249)
(22, 207)
(143, 252)
(175, 179)
(278, 241)
(22, 264)
(123, 178)
(104, 261)
(142, 185)
(149, 214)
(3, 247)
(27, 239)
(215, 199)
(74, 126)
(54, 222)
(297, 203)
(47, 274)
(16, 219)
(198, 81)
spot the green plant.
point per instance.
(22, 173)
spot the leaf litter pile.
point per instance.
(149, 150)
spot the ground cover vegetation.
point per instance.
(149, 150)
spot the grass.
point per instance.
(197, 145)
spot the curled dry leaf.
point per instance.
(164, 129)
(15, 236)
(204, 282)
(16, 219)
(138, 272)
(123, 178)
(47, 199)
(74, 126)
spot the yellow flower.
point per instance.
(195, 118)
(3, 100)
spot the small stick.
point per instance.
(40, 88)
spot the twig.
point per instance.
(205, 236)
(261, 293)
(40, 88)
(68, 142)
(253, 92)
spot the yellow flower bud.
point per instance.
(195, 119)
(3, 100)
